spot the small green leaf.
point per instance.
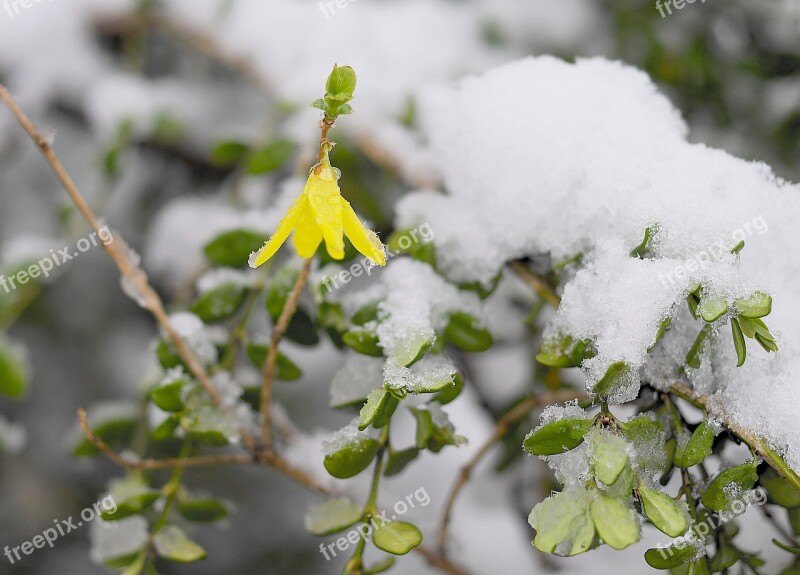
(353, 458)
(785, 547)
(465, 332)
(738, 247)
(364, 342)
(712, 308)
(562, 522)
(668, 515)
(202, 510)
(229, 153)
(779, 491)
(691, 450)
(557, 436)
(609, 456)
(166, 428)
(722, 491)
(725, 557)
(693, 357)
(670, 557)
(13, 376)
(219, 303)
(287, 370)
(172, 544)
(425, 427)
(270, 157)
(365, 314)
(757, 304)
(614, 375)
(379, 402)
(380, 567)
(644, 248)
(449, 393)
(332, 516)
(738, 342)
(398, 460)
(341, 81)
(397, 537)
(233, 248)
(168, 396)
(615, 522)
(411, 350)
(116, 433)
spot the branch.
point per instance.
(272, 356)
(543, 289)
(756, 443)
(500, 430)
(132, 275)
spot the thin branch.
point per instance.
(152, 464)
(132, 275)
(543, 289)
(272, 356)
(756, 443)
(441, 563)
(501, 429)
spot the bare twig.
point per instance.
(501, 429)
(543, 289)
(441, 563)
(132, 275)
(272, 356)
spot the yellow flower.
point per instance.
(322, 213)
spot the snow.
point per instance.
(345, 436)
(359, 375)
(587, 156)
(423, 374)
(115, 539)
(201, 339)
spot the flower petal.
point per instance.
(307, 235)
(363, 239)
(285, 227)
(325, 199)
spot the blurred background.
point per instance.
(145, 101)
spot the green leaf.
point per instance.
(668, 515)
(614, 375)
(116, 433)
(615, 522)
(229, 153)
(302, 328)
(449, 393)
(398, 460)
(757, 304)
(738, 247)
(411, 350)
(785, 547)
(286, 370)
(353, 458)
(720, 493)
(557, 436)
(233, 248)
(419, 250)
(168, 396)
(779, 491)
(609, 456)
(166, 428)
(202, 510)
(332, 516)
(670, 557)
(738, 342)
(365, 314)
(712, 308)
(219, 303)
(465, 332)
(13, 376)
(377, 401)
(693, 357)
(397, 537)
(132, 496)
(270, 157)
(380, 567)
(794, 519)
(425, 427)
(562, 522)
(364, 342)
(691, 450)
(172, 543)
(643, 249)
(725, 557)
(341, 83)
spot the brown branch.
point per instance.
(543, 289)
(133, 277)
(272, 356)
(501, 429)
(152, 464)
(440, 562)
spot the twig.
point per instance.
(152, 464)
(272, 356)
(117, 249)
(543, 289)
(500, 430)
(441, 563)
(756, 443)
